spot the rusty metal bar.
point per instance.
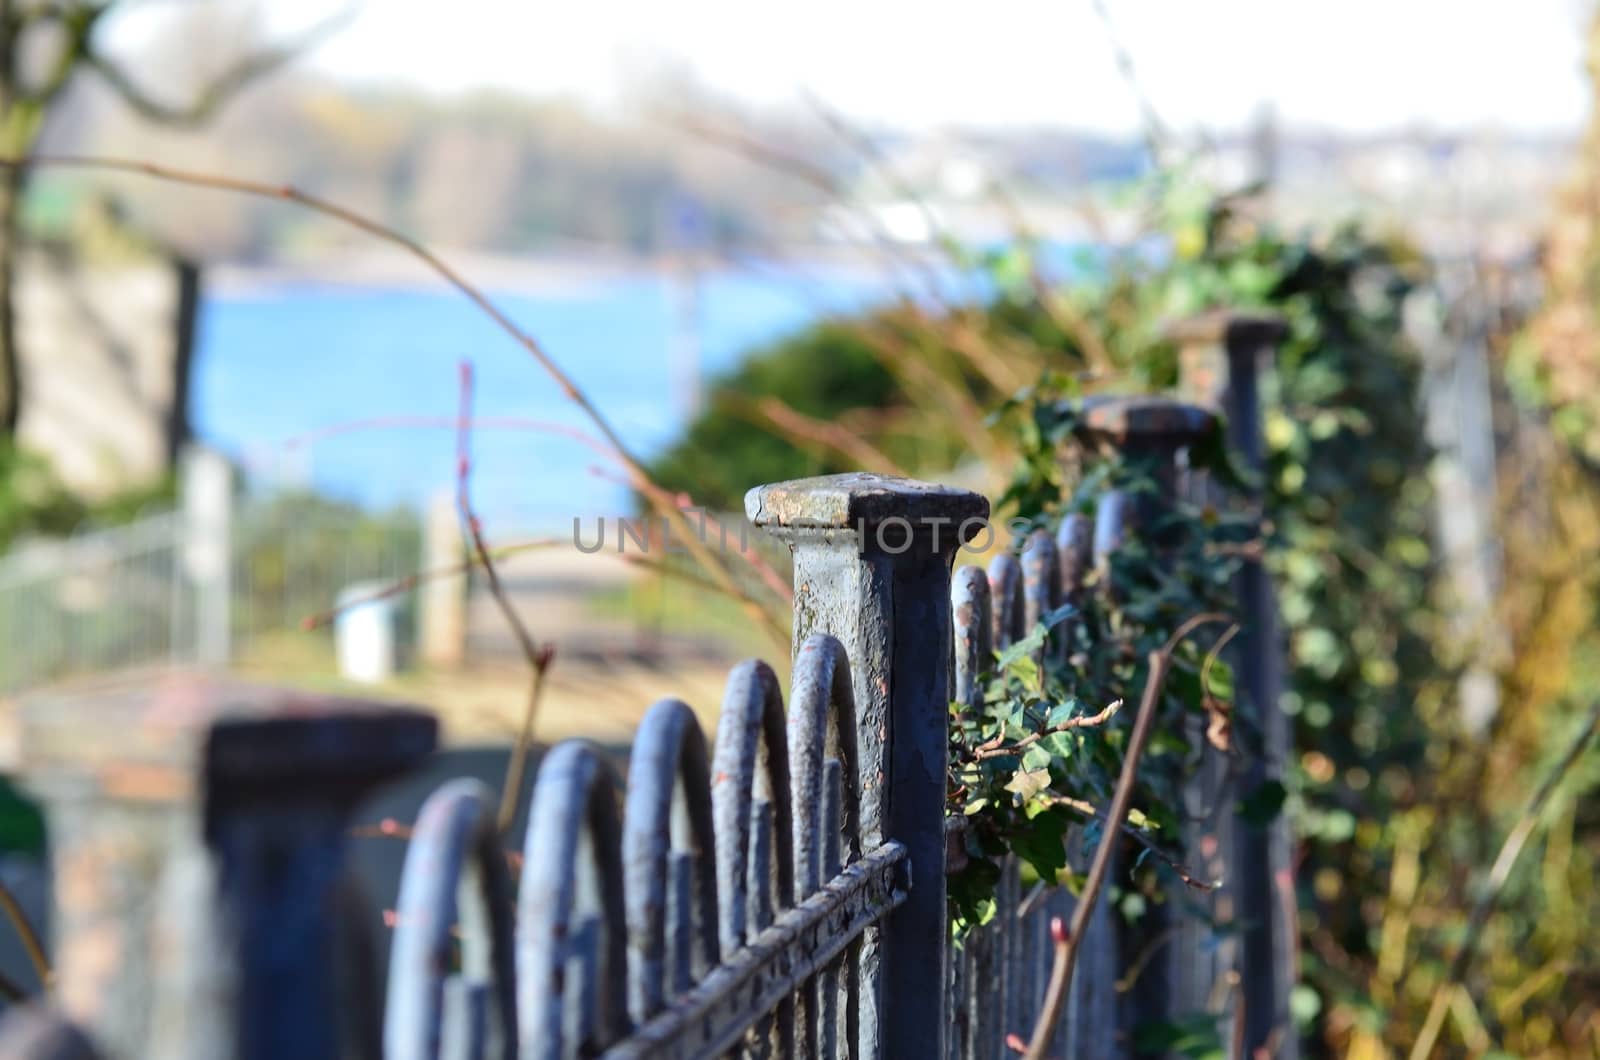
(454, 874)
(822, 734)
(669, 859)
(716, 1015)
(1005, 590)
(571, 924)
(754, 828)
(971, 612)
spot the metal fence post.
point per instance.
(207, 495)
(1222, 357)
(196, 830)
(1190, 955)
(873, 557)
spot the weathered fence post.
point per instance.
(442, 603)
(1190, 956)
(196, 830)
(207, 496)
(1222, 357)
(872, 561)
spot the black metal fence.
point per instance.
(778, 893)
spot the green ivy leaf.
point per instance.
(1026, 783)
(1043, 843)
(1063, 712)
(1193, 1036)
(21, 823)
(1263, 805)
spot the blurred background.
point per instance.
(766, 243)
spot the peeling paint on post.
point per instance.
(873, 556)
(197, 827)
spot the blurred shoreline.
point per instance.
(555, 273)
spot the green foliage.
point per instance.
(34, 500)
(297, 551)
(822, 372)
(1196, 1037)
(1349, 499)
(1347, 505)
(1042, 754)
(21, 822)
(1380, 787)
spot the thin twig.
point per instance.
(841, 440)
(1499, 873)
(539, 656)
(993, 749)
(411, 581)
(474, 526)
(1142, 959)
(1155, 131)
(29, 937)
(1069, 939)
(388, 828)
(752, 557)
(1137, 835)
(227, 84)
(518, 766)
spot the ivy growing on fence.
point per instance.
(1042, 755)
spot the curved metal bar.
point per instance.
(571, 935)
(667, 835)
(1111, 518)
(972, 608)
(750, 772)
(822, 728)
(1075, 553)
(1041, 578)
(454, 874)
(1005, 590)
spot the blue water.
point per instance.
(279, 363)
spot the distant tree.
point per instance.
(823, 372)
(44, 46)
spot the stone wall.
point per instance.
(105, 359)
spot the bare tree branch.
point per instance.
(221, 89)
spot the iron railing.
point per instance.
(781, 893)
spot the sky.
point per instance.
(1347, 64)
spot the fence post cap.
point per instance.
(1144, 422)
(151, 735)
(1228, 327)
(850, 501)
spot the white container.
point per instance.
(364, 633)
